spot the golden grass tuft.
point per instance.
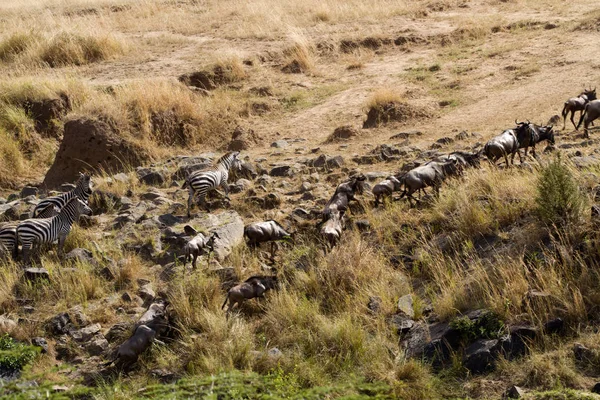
(383, 96)
(300, 56)
(17, 44)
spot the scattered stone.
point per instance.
(40, 342)
(280, 144)
(514, 392)
(85, 334)
(7, 325)
(342, 133)
(553, 326)
(59, 324)
(164, 376)
(36, 274)
(153, 178)
(97, 346)
(481, 355)
(415, 340)
(374, 304)
(582, 353)
(363, 225)
(118, 332)
(445, 140)
(28, 191)
(282, 170)
(274, 353)
(83, 256)
(146, 293)
(405, 306)
(596, 388)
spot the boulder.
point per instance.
(97, 346)
(85, 334)
(7, 325)
(153, 178)
(40, 342)
(47, 112)
(394, 111)
(83, 256)
(405, 306)
(242, 139)
(342, 133)
(514, 392)
(36, 274)
(59, 324)
(229, 226)
(481, 355)
(28, 191)
(91, 145)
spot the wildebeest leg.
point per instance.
(533, 151)
(506, 159)
(573, 115)
(194, 258)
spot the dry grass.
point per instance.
(382, 97)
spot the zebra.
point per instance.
(8, 232)
(82, 190)
(47, 230)
(201, 182)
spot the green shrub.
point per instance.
(559, 200)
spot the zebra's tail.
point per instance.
(185, 184)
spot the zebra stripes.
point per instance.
(82, 190)
(8, 232)
(47, 230)
(201, 182)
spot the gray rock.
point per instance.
(36, 274)
(40, 342)
(229, 226)
(275, 353)
(28, 191)
(147, 293)
(78, 317)
(514, 392)
(7, 325)
(374, 304)
(282, 170)
(169, 219)
(81, 255)
(153, 178)
(97, 346)
(280, 144)
(119, 332)
(59, 324)
(415, 340)
(481, 355)
(405, 306)
(85, 334)
(596, 388)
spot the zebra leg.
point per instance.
(190, 201)
(26, 253)
(225, 187)
(202, 203)
(61, 244)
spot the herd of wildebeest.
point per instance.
(52, 217)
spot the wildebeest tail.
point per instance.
(564, 110)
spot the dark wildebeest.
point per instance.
(590, 113)
(195, 246)
(129, 351)
(464, 159)
(577, 104)
(265, 231)
(528, 135)
(502, 145)
(331, 230)
(343, 195)
(432, 174)
(255, 286)
(385, 188)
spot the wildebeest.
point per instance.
(432, 174)
(197, 245)
(464, 159)
(528, 135)
(331, 230)
(130, 350)
(343, 195)
(577, 104)
(255, 286)
(265, 231)
(385, 188)
(590, 113)
(502, 145)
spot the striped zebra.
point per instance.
(199, 183)
(8, 232)
(82, 190)
(40, 231)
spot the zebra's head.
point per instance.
(83, 208)
(85, 182)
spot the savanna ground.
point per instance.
(472, 65)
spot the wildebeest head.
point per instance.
(547, 133)
(589, 93)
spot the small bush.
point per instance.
(15, 45)
(13, 355)
(70, 49)
(558, 200)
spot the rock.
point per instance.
(97, 346)
(108, 274)
(164, 376)
(595, 212)
(28, 191)
(153, 178)
(393, 111)
(274, 353)
(374, 304)
(208, 79)
(85, 334)
(596, 388)
(445, 140)
(59, 324)
(327, 162)
(342, 133)
(242, 139)
(301, 213)
(405, 306)
(91, 145)
(169, 219)
(83, 256)
(130, 216)
(101, 202)
(553, 326)
(402, 324)
(481, 355)
(415, 340)
(7, 325)
(583, 354)
(554, 120)
(40, 342)
(119, 332)
(282, 170)
(247, 170)
(280, 144)
(514, 392)
(517, 343)
(36, 274)
(363, 225)
(78, 317)
(147, 294)
(228, 225)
